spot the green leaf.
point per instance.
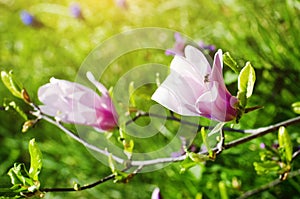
(196, 157)
(111, 163)
(223, 191)
(246, 82)
(122, 177)
(267, 167)
(296, 107)
(131, 94)
(229, 61)
(186, 165)
(19, 175)
(13, 105)
(35, 160)
(11, 84)
(12, 173)
(205, 141)
(128, 147)
(285, 144)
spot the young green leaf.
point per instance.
(111, 163)
(187, 164)
(285, 144)
(131, 94)
(35, 160)
(128, 147)
(11, 84)
(296, 107)
(267, 167)
(205, 141)
(223, 191)
(19, 175)
(246, 82)
(122, 177)
(196, 157)
(12, 173)
(229, 61)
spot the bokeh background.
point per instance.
(43, 39)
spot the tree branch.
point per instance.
(81, 141)
(140, 164)
(102, 180)
(88, 186)
(140, 114)
(295, 154)
(269, 185)
(255, 133)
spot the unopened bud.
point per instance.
(27, 125)
(77, 187)
(25, 96)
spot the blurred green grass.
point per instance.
(266, 35)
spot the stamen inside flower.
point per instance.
(206, 78)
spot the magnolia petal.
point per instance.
(197, 60)
(156, 194)
(209, 96)
(181, 66)
(205, 102)
(217, 70)
(170, 96)
(48, 110)
(183, 75)
(98, 85)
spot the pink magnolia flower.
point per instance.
(74, 103)
(193, 88)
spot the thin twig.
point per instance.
(269, 185)
(88, 186)
(109, 177)
(261, 131)
(220, 145)
(81, 141)
(295, 154)
(141, 114)
(158, 161)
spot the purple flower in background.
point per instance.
(262, 145)
(76, 11)
(204, 46)
(121, 4)
(29, 20)
(156, 194)
(194, 88)
(178, 48)
(74, 103)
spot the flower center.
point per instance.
(206, 78)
